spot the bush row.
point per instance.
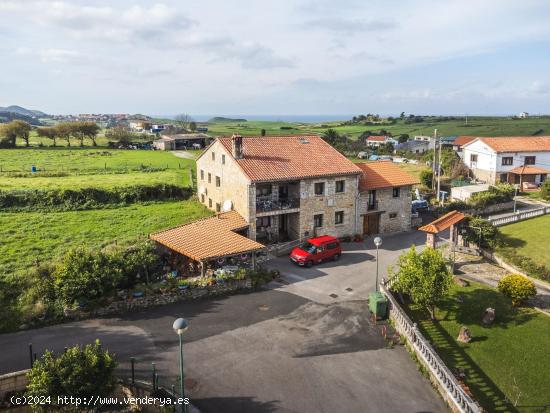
(525, 263)
(80, 278)
(495, 195)
(86, 198)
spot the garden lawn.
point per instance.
(29, 236)
(506, 361)
(529, 238)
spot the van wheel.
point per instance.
(309, 264)
(336, 257)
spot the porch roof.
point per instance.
(443, 222)
(209, 238)
(529, 170)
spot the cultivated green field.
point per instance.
(30, 236)
(506, 363)
(98, 167)
(529, 238)
(481, 126)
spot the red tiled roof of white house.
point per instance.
(516, 143)
(272, 158)
(383, 174)
(377, 138)
(463, 140)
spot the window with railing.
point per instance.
(339, 217)
(318, 221)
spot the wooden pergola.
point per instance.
(212, 239)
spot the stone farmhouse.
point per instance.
(294, 187)
(523, 160)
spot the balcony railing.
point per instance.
(372, 206)
(277, 205)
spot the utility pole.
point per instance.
(439, 172)
(434, 159)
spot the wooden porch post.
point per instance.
(430, 240)
(203, 269)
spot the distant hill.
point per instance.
(22, 111)
(220, 119)
(9, 116)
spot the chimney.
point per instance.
(237, 146)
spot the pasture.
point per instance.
(28, 237)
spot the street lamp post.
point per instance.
(180, 326)
(377, 242)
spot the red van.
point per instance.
(315, 250)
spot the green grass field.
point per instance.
(529, 238)
(482, 126)
(30, 236)
(88, 167)
(506, 361)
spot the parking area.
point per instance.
(350, 278)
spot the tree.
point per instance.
(86, 373)
(424, 277)
(402, 116)
(192, 126)
(331, 137)
(64, 131)
(403, 138)
(517, 287)
(262, 132)
(89, 130)
(426, 177)
(120, 134)
(481, 232)
(16, 129)
(183, 121)
(48, 132)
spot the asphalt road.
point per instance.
(288, 348)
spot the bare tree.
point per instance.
(183, 121)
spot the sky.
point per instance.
(293, 57)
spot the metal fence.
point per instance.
(521, 216)
(448, 385)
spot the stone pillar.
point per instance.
(430, 240)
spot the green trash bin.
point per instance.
(378, 304)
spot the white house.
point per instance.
(523, 115)
(521, 160)
(377, 140)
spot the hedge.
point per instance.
(86, 198)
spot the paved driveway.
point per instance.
(288, 348)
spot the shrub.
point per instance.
(79, 372)
(517, 287)
(545, 189)
(481, 232)
(85, 198)
(426, 177)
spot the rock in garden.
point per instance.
(489, 316)
(464, 336)
(461, 282)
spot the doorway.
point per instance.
(371, 224)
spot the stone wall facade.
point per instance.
(328, 205)
(395, 212)
(234, 184)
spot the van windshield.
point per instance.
(308, 247)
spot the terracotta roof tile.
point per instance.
(529, 170)
(271, 158)
(383, 174)
(463, 140)
(378, 138)
(518, 143)
(208, 238)
(443, 222)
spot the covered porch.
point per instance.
(528, 177)
(204, 246)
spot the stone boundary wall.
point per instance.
(12, 382)
(153, 300)
(441, 377)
